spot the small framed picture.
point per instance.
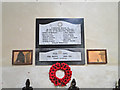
(22, 57)
(96, 56)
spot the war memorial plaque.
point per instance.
(60, 40)
(59, 32)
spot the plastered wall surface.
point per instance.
(101, 31)
(118, 39)
(0, 44)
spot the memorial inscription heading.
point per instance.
(60, 40)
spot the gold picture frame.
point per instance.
(96, 56)
(22, 57)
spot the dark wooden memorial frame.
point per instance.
(45, 48)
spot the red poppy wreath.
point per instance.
(60, 81)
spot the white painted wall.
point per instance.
(101, 31)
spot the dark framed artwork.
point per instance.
(60, 40)
(22, 57)
(96, 56)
